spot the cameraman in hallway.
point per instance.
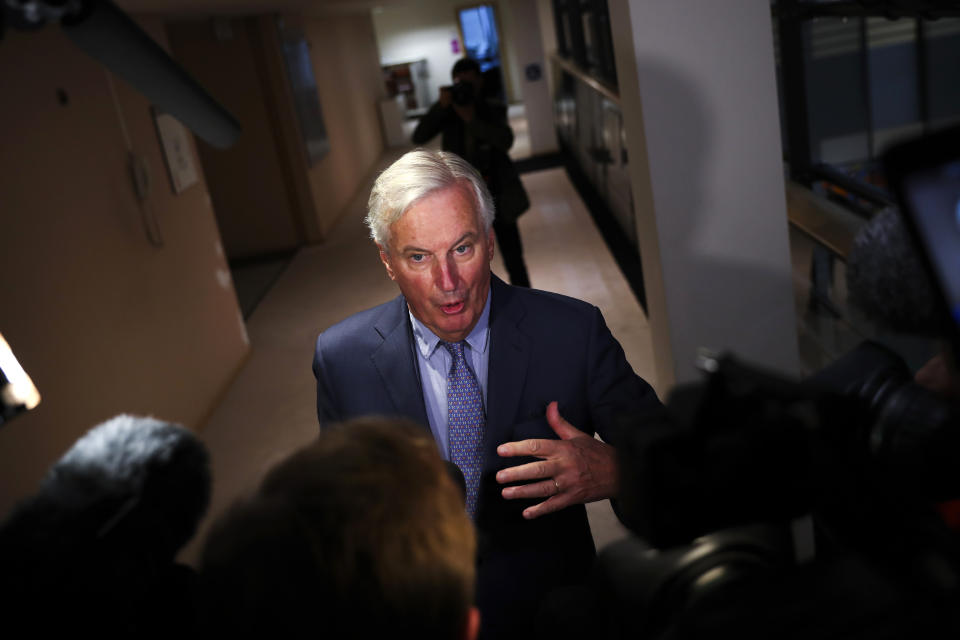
(475, 127)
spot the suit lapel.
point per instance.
(396, 365)
(506, 374)
(509, 361)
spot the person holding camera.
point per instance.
(476, 129)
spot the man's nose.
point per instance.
(446, 275)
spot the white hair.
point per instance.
(415, 176)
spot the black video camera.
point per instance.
(800, 500)
(807, 509)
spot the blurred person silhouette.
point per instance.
(361, 534)
(93, 551)
(475, 127)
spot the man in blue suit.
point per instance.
(499, 374)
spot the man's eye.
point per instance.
(462, 249)
(417, 257)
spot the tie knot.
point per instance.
(455, 348)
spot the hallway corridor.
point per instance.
(270, 408)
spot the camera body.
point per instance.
(462, 93)
(813, 499)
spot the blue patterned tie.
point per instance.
(465, 421)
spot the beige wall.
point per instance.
(251, 196)
(420, 31)
(515, 37)
(266, 195)
(343, 50)
(537, 99)
(102, 320)
(699, 96)
(548, 39)
(423, 30)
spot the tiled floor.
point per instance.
(270, 408)
(252, 280)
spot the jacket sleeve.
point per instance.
(431, 123)
(620, 400)
(327, 411)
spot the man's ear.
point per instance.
(385, 259)
(472, 627)
(490, 244)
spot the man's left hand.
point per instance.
(577, 469)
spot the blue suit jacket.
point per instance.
(543, 347)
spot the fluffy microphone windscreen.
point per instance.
(886, 280)
(140, 483)
(93, 551)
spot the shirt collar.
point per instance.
(478, 339)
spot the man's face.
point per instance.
(471, 77)
(439, 255)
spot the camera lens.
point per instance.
(462, 93)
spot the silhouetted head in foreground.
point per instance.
(363, 533)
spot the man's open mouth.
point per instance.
(453, 307)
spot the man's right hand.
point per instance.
(575, 469)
